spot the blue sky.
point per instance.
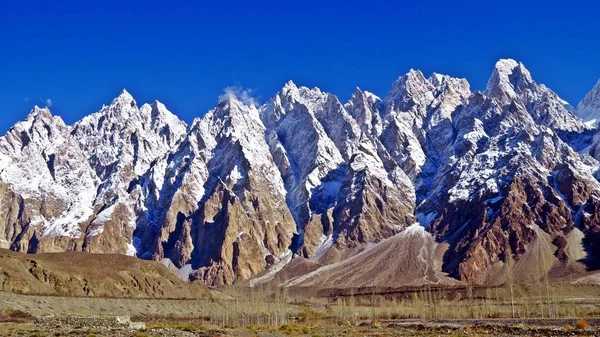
(80, 54)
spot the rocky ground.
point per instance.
(31, 315)
(567, 327)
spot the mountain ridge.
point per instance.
(236, 192)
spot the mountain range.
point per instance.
(433, 183)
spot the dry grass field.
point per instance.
(534, 310)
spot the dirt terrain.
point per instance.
(482, 328)
(91, 275)
(57, 305)
(409, 258)
(68, 294)
(241, 313)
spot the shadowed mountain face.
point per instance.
(491, 183)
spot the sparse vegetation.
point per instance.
(582, 324)
(280, 311)
(567, 327)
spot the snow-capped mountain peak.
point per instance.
(507, 81)
(410, 89)
(39, 111)
(365, 108)
(124, 96)
(589, 107)
(289, 85)
(512, 83)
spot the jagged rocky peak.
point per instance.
(508, 80)
(123, 112)
(143, 134)
(365, 107)
(40, 129)
(449, 92)
(38, 112)
(124, 99)
(231, 118)
(234, 121)
(159, 114)
(292, 94)
(511, 83)
(285, 100)
(589, 107)
(289, 88)
(411, 89)
(298, 140)
(423, 102)
(442, 81)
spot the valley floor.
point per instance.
(481, 328)
(283, 312)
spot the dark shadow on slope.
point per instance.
(208, 234)
(577, 141)
(148, 225)
(435, 153)
(322, 198)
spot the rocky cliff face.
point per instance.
(589, 107)
(503, 175)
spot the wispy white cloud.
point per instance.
(26, 99)
(48, 102)
(244, 95)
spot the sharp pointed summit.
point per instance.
(37, 111)
(509, 79)
(124, 98)
(589, 107)
(511, 83)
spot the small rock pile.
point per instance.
(100, 322)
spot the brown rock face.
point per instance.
(224, 209)
(589, 218)
(369, 208)
(227, 242)
(316, 231)
(492, 230)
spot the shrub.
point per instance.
(308, 314)
(384, 315)
(15, 316)
(582, 324)
(567, 327)
(289, 328)
(186, 328)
